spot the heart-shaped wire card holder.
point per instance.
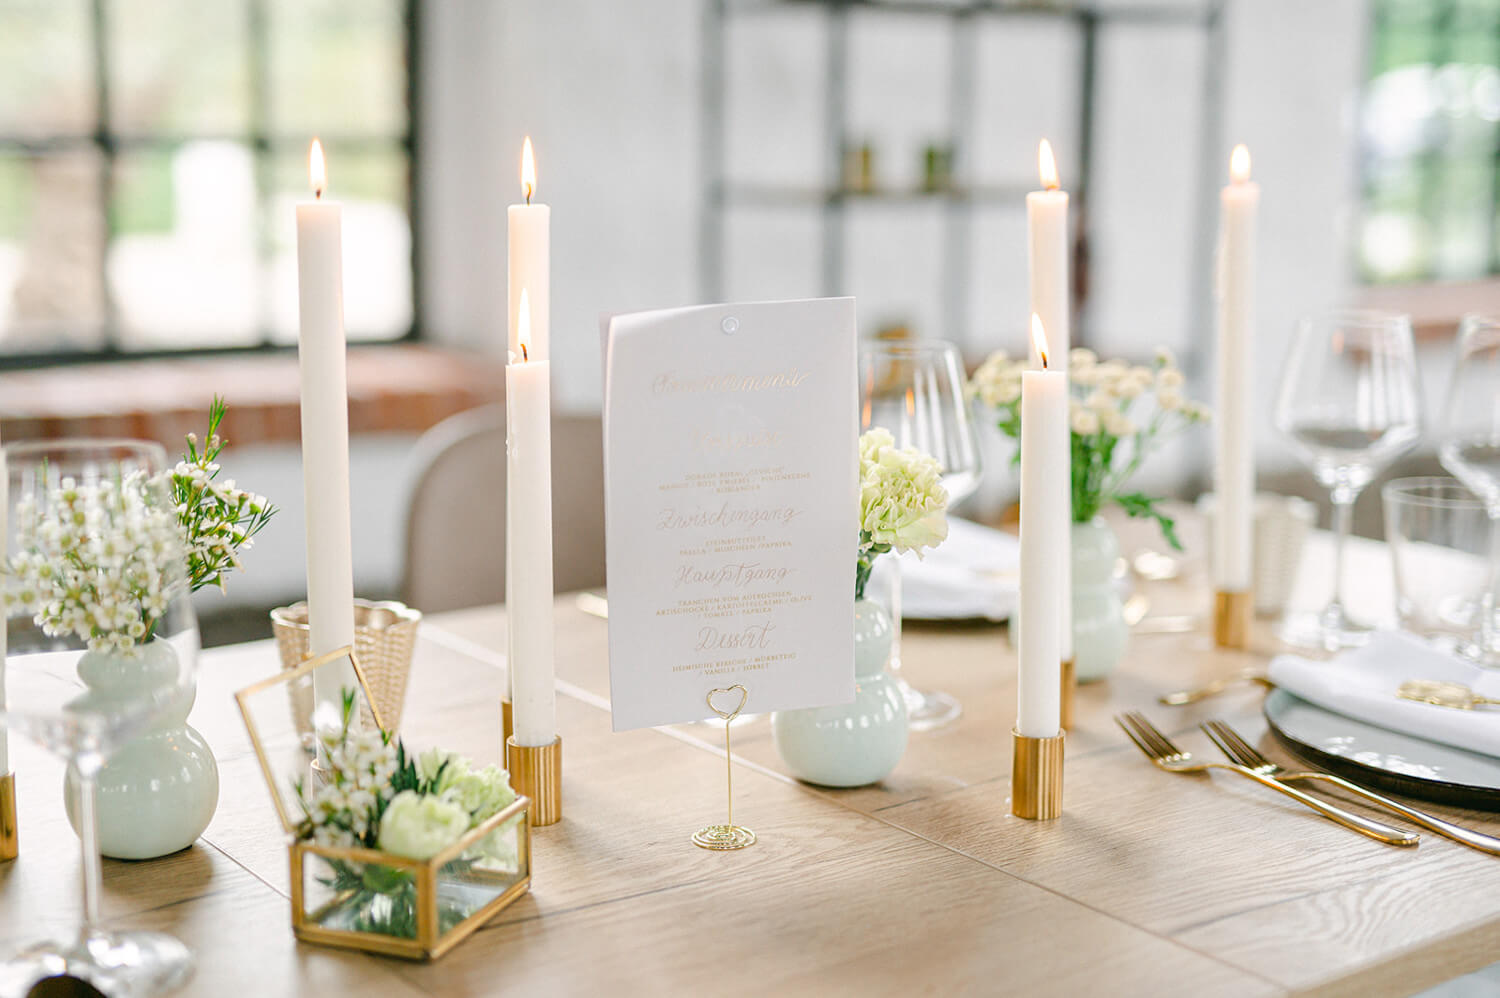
(728, 836)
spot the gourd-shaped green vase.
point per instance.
(850, 745)
(158, 792)
(1099, 630)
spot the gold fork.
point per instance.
(1184, 697)
(1244, 754)
(1160, 750)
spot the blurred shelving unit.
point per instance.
(833, 200)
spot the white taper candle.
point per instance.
(528, 548)
(1044, 532)
(1234, 464)
(1047, 266)
(325, 430)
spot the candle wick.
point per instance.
(524, 356)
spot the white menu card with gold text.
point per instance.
(731, 489)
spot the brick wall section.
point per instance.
(400, 388)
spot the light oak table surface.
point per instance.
(1149, 884)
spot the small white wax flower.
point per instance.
(1118, 424)
(1169, 377)
(1084, 422)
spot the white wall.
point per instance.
(609, 92)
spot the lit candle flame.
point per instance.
(317, 170)
(1239, 164)
(528, 170)
(523, 325)
(1039, 338)
(911, 403)
(1046, 165)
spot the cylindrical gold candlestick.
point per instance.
(1069, 687)
(10, 840)
(536, 771)
(1036, 777)
(507, 727)
(1232, 615)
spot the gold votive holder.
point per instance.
(507, 728)
(536, 772)
(1069, 676)
(1036, 777)
(10, 836)
(1233, 612)
(385, 638)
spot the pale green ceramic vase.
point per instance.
(850, 745)
(1099, 630)
(158, 793)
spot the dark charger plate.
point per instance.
(1383, 759)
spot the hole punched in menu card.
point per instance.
(731, 491)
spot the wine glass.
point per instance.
(102, 644)
(1469, 446)
(915, 390)
(1350, 404)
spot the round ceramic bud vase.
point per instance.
(1099, 629)
(850, 745)
(158, 792)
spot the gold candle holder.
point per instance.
(1069, 687)
(507, 728)
(1232, 615)
(1036, 777)
(536, 772)
(10, 839)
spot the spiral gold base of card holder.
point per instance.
(728, 836)
(1036, 777)
(1069, 688)
(10, 839)
(536, 772)
(507, 728)
(1232, 616)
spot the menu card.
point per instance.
(731, 490)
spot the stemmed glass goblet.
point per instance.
(102, 644)
(1469, 447)
(1350, 404)
(915, 390)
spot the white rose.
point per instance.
(1085, 423)
(420, 827)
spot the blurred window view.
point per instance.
(1430, 137)
(151, 152)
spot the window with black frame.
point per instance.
(1430, 142)
(151, 152)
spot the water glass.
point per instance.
(1438, 532)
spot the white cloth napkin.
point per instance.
(1362, 683)
(976, 572)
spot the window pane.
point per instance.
(51, 239)
(377, 242)
(46, 74)
(179, 66)
(182, 266)
(337, 67)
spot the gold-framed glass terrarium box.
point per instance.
(358, 897)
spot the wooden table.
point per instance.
(1149, 884)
